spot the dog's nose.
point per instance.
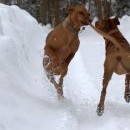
(90, 20)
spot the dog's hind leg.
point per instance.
(59, 89)
(55, 80)
(127, 88)
(60, 84)
(50, 73)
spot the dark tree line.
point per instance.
(54, 11)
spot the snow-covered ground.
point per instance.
(27, 99)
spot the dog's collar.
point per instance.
(71, 26)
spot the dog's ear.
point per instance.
(116, 21)
(70, 9)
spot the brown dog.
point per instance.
(117, 58)
(62, 44)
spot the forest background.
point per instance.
(54, 11)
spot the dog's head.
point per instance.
(107, 25)
(79, 15)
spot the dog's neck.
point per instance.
(119, 37)
(113, 31)
(71, 25)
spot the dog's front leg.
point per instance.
(108, 71)
(127, 88)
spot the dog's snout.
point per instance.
(90, 20)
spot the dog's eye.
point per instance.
(81, 13)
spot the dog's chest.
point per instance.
(73, 44)
(69, 48)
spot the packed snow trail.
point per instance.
(28, 100)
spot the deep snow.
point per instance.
(27, 99)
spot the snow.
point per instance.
(28, 100)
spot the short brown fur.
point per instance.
(62, 43)
(117, 58)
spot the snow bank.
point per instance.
(21, 74)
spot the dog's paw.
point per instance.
(100, 111)
(127, 97)
(60, 97)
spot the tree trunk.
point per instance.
(99, 8)
(107, 8)
(103, 9)
(83, 1)
(56, 12)
(2, 1)
(43, 11)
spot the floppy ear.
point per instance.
(70, 9)
(116, 21)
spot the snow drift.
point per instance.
(27, 99)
